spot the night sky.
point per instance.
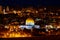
(29, 2)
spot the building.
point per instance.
(29, 21)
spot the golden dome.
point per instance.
(29, 21)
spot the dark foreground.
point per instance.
(52, 37)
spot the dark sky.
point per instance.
(30, 2)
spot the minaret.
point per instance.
(4, 11)
(1, 9)
(7, 8)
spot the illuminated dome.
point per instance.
(29, 21)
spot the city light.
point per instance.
(28, 22)
(15, 35)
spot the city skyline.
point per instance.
(29, 18)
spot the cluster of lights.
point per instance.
(15, 35)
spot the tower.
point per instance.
(7, 8)
(1, 9)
